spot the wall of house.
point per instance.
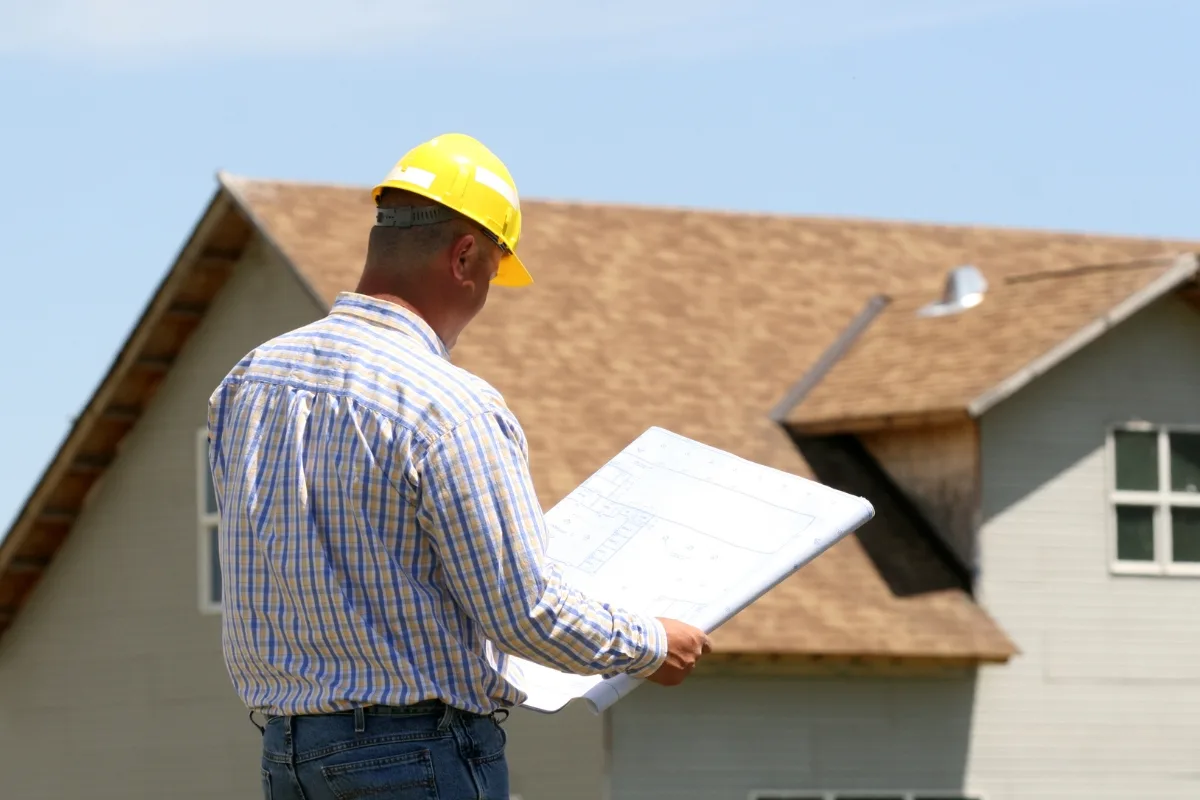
(938, 468)
(112, 683)
(111, 680)
(1104, 702)
(556, 756)
(721, 738)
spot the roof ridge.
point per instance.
(1148, 262)
(830, 219)
(1003, 279)
(296, 183)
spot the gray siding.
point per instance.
(111, 680)
(112, 683)
(721, 738)
(556, 756)
(1105, 700)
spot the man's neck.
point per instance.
(395, 299)
(430, 319)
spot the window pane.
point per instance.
(1185, 535)
(1135, 533)
(1137, 461)
(1185, 462)
(214, 566)
(210, 495)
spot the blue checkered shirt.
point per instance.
(380, 538)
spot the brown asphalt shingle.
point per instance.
(697, 322)
(907, 365)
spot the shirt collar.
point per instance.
(391, 316)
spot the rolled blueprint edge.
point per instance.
(602, 696)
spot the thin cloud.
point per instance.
(156, 31)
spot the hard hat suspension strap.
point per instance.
(412, 216)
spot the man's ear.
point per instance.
(461, 253)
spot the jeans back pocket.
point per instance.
(406, 776)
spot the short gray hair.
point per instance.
(408, 248)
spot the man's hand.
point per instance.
(685, 645)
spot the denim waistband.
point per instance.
(426, 707)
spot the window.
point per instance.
(784, 794)
(206, 507)
(1155, 493)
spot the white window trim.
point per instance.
(816, 794)
(205, 521)
(1161, 501)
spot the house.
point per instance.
(1017, 622)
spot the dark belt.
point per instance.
(416, 709)
(424, 708)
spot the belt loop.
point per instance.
(447, 718)
(289, 739)
(360, 719)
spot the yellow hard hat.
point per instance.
(458, 172)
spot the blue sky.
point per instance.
(1064, 114)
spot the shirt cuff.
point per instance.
(654, 652)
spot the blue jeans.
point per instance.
(423, 752)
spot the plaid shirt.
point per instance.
(380, 538)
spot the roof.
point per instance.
(906, 368)
(913, 609)
(694, 321)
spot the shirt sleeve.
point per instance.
(214, 430)
(478, 503)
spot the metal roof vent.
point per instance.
(965, 288)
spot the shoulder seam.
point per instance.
(434, 441)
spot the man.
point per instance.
(381, 541)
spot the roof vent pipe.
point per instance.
(965, 288)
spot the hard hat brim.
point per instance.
(512, 272)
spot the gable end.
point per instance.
(172, 314)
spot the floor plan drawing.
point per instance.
(672, 527)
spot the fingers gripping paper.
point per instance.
(674, 528)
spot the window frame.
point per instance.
(1161, 501)
(206, 528)
(859, 794)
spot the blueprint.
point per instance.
(674, 528)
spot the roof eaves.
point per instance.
(843, 462)
(1183, 269)
(876, 422)
(20, 572)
